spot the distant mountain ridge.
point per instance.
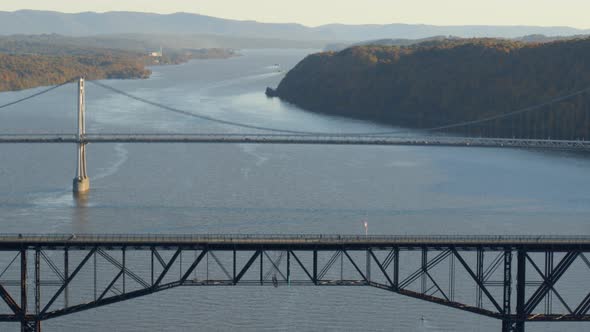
(90, 23)
(141, 43)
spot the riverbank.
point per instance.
(26, 71)
(25, 67)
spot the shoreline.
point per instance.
(146, 72)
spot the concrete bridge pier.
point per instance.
(81, 183)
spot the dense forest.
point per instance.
(31, 61)
(27, 71)
(438, 83)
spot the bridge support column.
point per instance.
(24, 324)
(81, 181)
(28, 322)
(520, 290)
(507, 324)
(516, 325)
(315, 267)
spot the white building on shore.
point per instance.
(157, 54)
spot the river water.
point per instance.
(182, 188)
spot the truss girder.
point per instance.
(297, 266)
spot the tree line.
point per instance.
(31, 61)
(26, 71)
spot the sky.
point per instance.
(573, 13)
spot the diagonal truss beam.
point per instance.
(493, 267)
(69, 280)
(110, 286)
(167, 267)
(107, 301)
(247, 266)
(477, 280)
(355, 266)
(9, 300)
(381, 267)
(193, 266)
(583, 308)
(223, 269)
(390, 257)
(437, 300)
(432, 263)
(302, 266)
(437, 286)
(274, 265)
(158, 257)
(329, 264)
(120, 266)
(548, 283)
(9, 265)
(53, 266)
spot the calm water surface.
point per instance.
(182, 188)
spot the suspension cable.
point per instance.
(384, 133)
(37, 94)
(520, 111)
(220, 121)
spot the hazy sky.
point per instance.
(573, 13)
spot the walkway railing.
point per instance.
(295, 238)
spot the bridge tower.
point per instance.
(81, 181)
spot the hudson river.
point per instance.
(182, 188)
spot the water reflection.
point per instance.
(81, 200)
(80, 212)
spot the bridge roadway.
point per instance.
(299, 241)
(548, 144)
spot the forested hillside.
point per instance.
(444, 82)
(27, 71)
(30, 61)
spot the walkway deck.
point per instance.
(311, 241)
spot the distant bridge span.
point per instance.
(81, 182)
(441, 141)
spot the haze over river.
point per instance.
(199, 188)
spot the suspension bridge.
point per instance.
(82, 138)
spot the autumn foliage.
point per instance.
(443, 82)
(27, 71)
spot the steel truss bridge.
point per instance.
(514, 279)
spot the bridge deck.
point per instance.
(311, 241)
(301, 139)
